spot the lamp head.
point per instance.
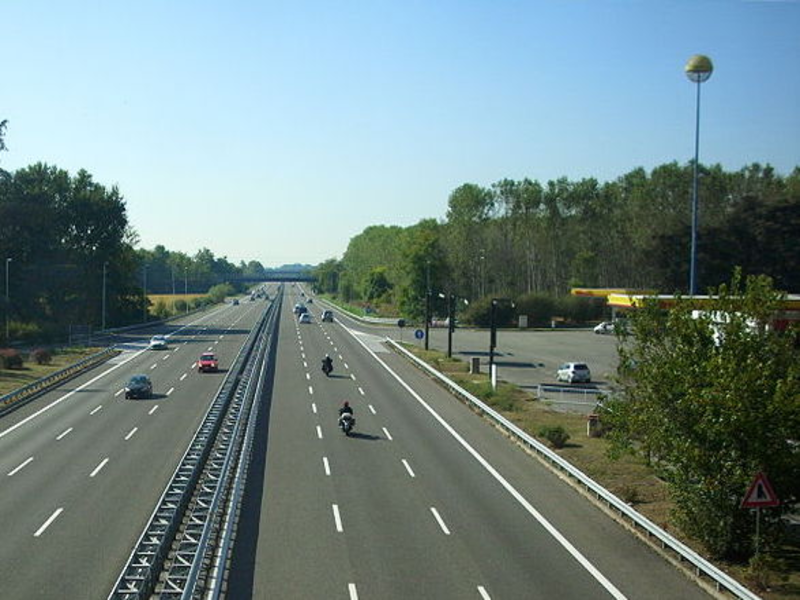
(699, 68)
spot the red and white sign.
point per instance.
(760, 494)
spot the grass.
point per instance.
(628, 477)
(11, 379)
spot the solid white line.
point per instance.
(99, 407)
(119, 392)
(388, 435)
(99, 467)
(484, 594)
(372, 409)
(326, 465)
(361, 390)
(565, 543)
(319, 432)
(130, 433)
(63, 434)
(152, 410)
(440, 521)
(408, 468)
(337, 518)
(172, 389)
(65, 396)
(183, 376)
(49, 522)
(20, 467)
(351, 587)
(314, 407)
(311, 390)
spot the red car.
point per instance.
(208, 362)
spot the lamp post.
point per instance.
(186, 287)
(451, 321)
(103, 316)
(144, 303)
(698, 69)
(8, 304)
(493, 328)
(427, 301)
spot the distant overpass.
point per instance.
(277, 276)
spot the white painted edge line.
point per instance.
(319, 432)
(152, 410)
(30, 417)
(49, 522)
(63, 434)
(372, 409)
(99, 408)
(337, 518)
(326, 466)
(408, 468)
(131, 433)
(183, 376)
(99, 467)
(387, 434)
(360, 390)
(351, 589)
(565, 543)
(439, 520)
(484, 594)
(170, 390)
(19, 468)
(314, 407)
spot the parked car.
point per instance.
(304, 318)
(604, 328)
(327, 316)
(574, 372)
(158, 342)
(208, 362)
(139, 386)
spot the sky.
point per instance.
(278, 130)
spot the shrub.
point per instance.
(42, 356)
(557, 436)
(10, 358)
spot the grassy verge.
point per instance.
(11, 379)
(628, 477)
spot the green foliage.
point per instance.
(376, 284)
(711, 399)
(42, 356)
(556, 435)
(161, 310)
(219, 292)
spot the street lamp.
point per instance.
(103, 317)
(144, 304)
(8, 304)
(698, 70)
(427, 302)
(493, 328)
(451, 320)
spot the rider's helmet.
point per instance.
(346, 403)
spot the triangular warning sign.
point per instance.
(760, 494)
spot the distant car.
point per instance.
(208, 362)
(310, 300)
(139, 386)
(604, 328)
(299, 309)
(327, 316)
(235, 302)
(304, 318)
(574, 372)
(158, 342)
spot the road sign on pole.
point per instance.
(760, 494)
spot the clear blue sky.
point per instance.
(277, 130)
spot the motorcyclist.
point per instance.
(346, 409)
(327, 363)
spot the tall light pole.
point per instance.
(144, 304)
(698, 70)
(427, 301)
(8, 303)
(103, 317)
(186, 287)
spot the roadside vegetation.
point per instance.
(28, 369)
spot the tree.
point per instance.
(3, 125)
(712, 397)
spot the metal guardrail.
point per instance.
(190, 485)
(542, 390)
(702, 568)
(25, 394)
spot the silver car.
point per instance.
(574, 372)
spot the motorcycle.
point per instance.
(346, 422)
(327, 368)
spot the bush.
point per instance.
(10, 359)
(42, 356)
(557, 436)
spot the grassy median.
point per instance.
(12, 379)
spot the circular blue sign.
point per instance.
(419, 334)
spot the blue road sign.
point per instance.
(419, 334)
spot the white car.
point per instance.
(574, 372)
(304, 318)
(158, 342)
(605, 327)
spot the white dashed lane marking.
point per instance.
(439, 520)
(337, 518)
(49, 522)
(152, 410)
(100, 407)
(64, 434)
(326, 466)
(408, 468)
(20, 467)
(131, 433)
(372, 409)
(387, 434)
(99, 467)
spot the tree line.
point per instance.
(64, 238)
(526, 239)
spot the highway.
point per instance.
(81, 467)
(426, 500)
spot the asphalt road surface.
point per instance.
(426, 500)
